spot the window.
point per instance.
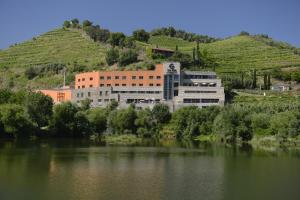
(117, 84)
(101, 77)
(124, 77)
(79, 80)
(77, 95)
(83, 79)
(78, 87)
(108, 78)
(150, 77)
(140, 84)
(106, 100)
(123, 84)
(99, 100)
(91, 78)
(108, 85)
(133, 84)
(141, 77)
(83, 86)
(158, 84)
(91, 85)
(116, 77)
(133, 77)
(100, 93)
(158, 77)
(106, 93)
(151, 84)
(81, 94)
(89, 94)
(101, 85)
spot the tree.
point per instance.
(67, 24)
(15, 121)
(112, 56)
(244, 33)
(31, 72)
(5, 95)
(254, 79)
(39, 108)
(86, 23)
(141, 35)
(127, 57)
(198, 54)
(97, 118)
(184, 59)
(161, 113)
(145, 123)
(122, 121)
(75, 23)
(69, 121)
(85, 104)
(117, 39)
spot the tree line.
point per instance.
(25, 114)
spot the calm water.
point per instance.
(85, 170)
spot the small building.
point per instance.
(58, 95)
(165, 52)
(280, 87)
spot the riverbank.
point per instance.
(257, 142)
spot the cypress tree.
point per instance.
(176, 48)
(242, 79)
(265, 82)
(269, 81)
(198, 54)
(194, 56)
(254, 79)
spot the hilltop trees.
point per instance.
(117, 39)
(172, 32)
(67, 24)
(141, 35)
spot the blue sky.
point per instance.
(21, 20)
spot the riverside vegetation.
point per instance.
(25, 114)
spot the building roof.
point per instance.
(162, 49)
(199, 72)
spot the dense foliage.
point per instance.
(24, 114)
(172, 32)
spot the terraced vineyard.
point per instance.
(57, 46)
(73, 46)
(236, 53)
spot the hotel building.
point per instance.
(167, 83)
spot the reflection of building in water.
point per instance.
(167, 83)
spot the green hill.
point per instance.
(70, 47)
(57, 46)
(73, 47)
(236, 53)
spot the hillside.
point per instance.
(236, 53)
(58, 46)
(73, 47)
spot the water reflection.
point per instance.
(81, 169)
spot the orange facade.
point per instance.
(58, 95)
(120, 78)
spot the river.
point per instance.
(75, 169)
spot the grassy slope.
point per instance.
(236, 53)
(68, 46)
(57, 46)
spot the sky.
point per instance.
(21, 20)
